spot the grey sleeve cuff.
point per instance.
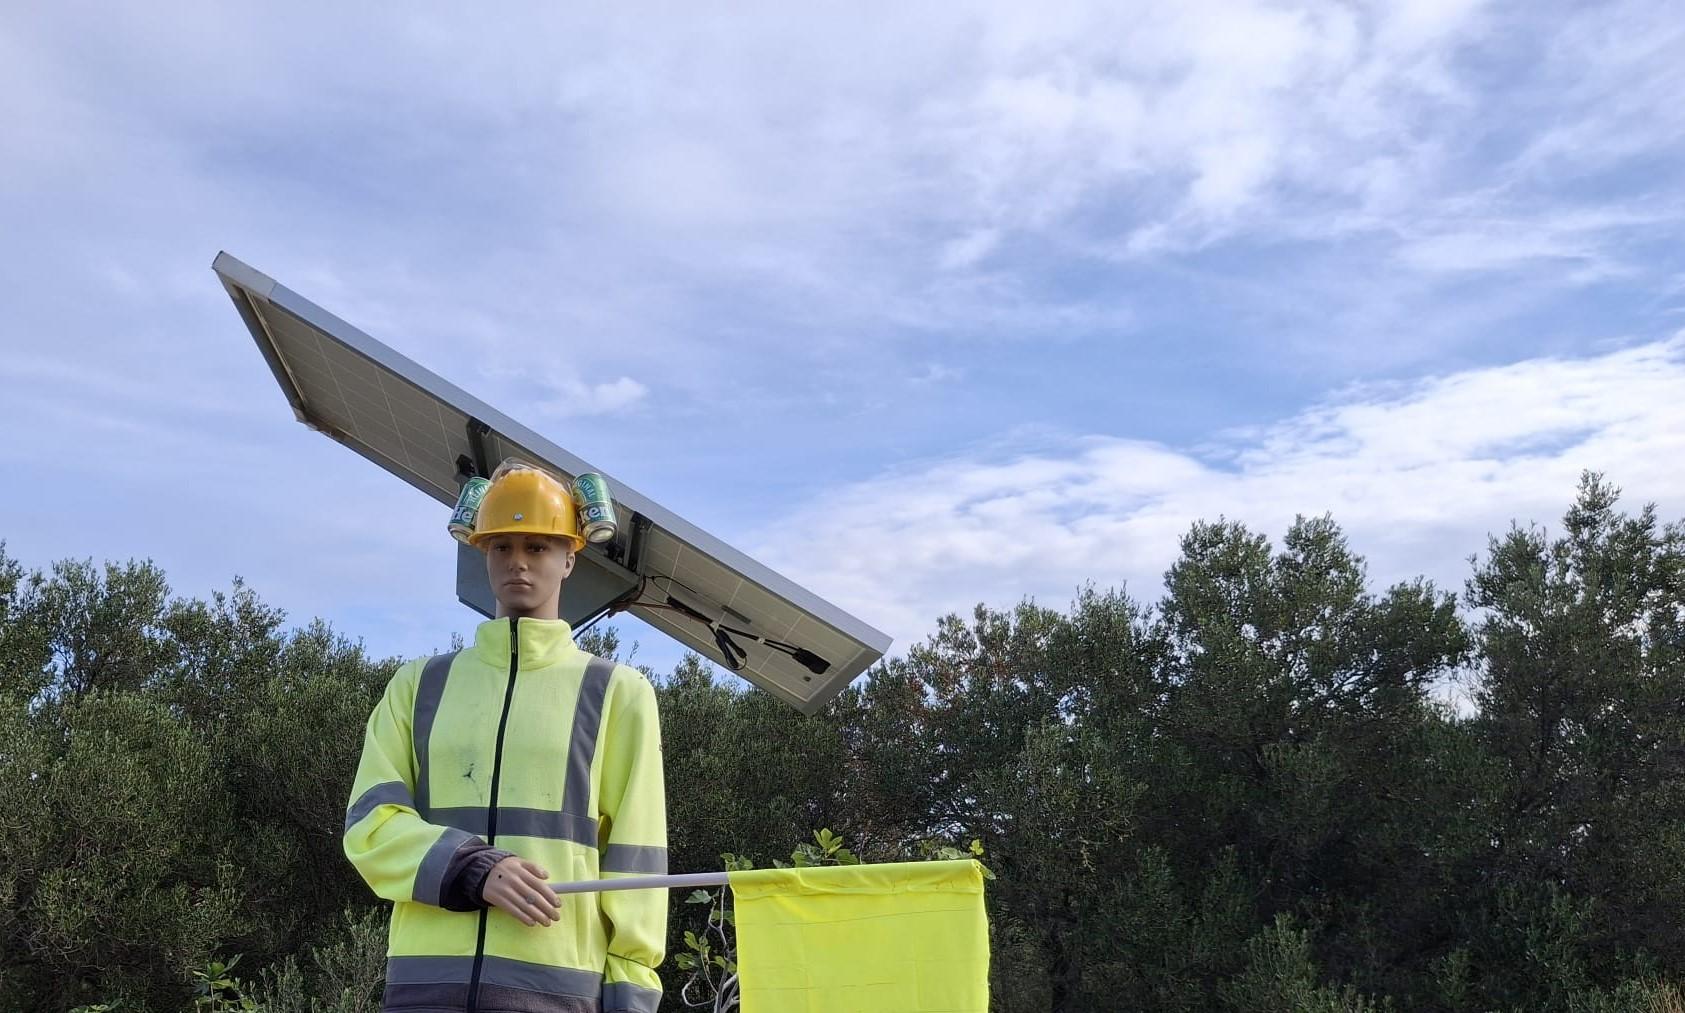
(465, 876)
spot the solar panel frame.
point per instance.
(311, 352)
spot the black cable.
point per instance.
(812, 662)
(619, 604)
(733, 654)
(579, 630)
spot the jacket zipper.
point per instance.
(491, 812)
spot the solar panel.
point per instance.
(427, 431)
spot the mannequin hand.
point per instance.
(520, 888)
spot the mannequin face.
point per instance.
(526, 574)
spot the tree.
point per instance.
(1297, 728)
(1582, 710)
(1247, 796)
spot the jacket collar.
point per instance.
(544, 642)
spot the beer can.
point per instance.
(596, 507)
(467, 508)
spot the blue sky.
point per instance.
(920, 304)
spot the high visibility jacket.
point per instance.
(527, 743)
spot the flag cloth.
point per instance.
(903, 937)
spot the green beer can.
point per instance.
(467, 508)
(596, 507)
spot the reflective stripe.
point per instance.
(521, 822)
(625, 997)
(582, 742)
(430, 875)
(505, 971)
(427, 696)
(558, 826)
(540, 977)
(385, 793)
(441, 998)
(429, 997)
(635, 858)
(428, 970)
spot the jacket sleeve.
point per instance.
(632, 805)
(400, 855)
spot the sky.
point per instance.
(922, 305)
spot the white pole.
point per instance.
(643, 883)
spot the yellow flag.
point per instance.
(906, 937)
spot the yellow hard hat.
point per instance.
(524, 500)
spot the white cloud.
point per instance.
(784, 207)
(872, 168)
(1613, 74)
(1224, 116)
(936, 372)
(577, 397)
(970, 248)
(1587, 239)
(1418, 475)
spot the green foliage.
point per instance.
(1636, 996)
(744, 770)
(172, 783)
(1582, 714)
(345, 974)
(1248, 795)
(130, 871)
(1281, 977)
(825, 849)
(216, 990)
